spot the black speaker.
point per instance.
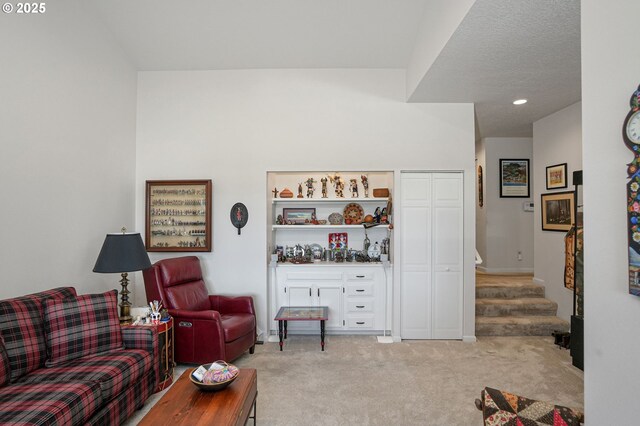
(577, 342)
(577, 177)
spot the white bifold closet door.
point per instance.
(431, 278)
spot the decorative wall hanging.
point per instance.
(178, 215)
(557, 211)
(631, 137)
(239, 216)
(514, 178)
(557, 176)
(480, 188)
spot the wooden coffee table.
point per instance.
(185, 404)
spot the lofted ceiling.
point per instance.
(502, 50)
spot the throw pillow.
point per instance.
(81, 326)
(5, 367)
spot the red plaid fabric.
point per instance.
(49, 403)
(137, 337)
(125, 404)
(5, 369)
(113, 370)
(81, 326)
(22, 327)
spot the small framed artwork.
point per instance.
(298, 216)
(558, 211)
(514, 178)
(557, 176)
(338, 240)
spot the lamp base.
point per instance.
(125, 305)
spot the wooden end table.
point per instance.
(301, 313)
(185, 404)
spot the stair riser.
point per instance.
(519, 329)
(517, 311)
(509, 292)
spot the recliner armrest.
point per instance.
(232, 305)
(195, 315)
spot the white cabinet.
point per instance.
(355, 295)
(432, 254)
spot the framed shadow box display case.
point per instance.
(178, 215)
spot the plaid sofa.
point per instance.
(65, 360)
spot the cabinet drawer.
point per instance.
(360, 276)
(360, 322)
(362, 289)
(356, 305)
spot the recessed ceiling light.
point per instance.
(520, 102)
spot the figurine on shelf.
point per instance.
(279, 220)
(275, 192)
(324, 181)
(365, 185)
(310, 189)
(377, 215)
(300, 191)
(338, 183)
(383, 216)
(353, 186)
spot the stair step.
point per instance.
(536, 306)
(509, 290)
(519, 326)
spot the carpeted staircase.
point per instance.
(512, 305)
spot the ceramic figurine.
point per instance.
(353, 185)
(310, 189)
(324, 187)
(365, 185)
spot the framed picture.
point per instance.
(298, 216)
(514, 178)
(557, 176)
(178, 215)
(557, 211)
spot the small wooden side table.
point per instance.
(166, 352)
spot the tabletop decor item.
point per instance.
(215, 376)
(381, 192)
(335, 219)
(123, 253)
(286, 193)
(353, 213)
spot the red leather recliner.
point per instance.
(207, 328)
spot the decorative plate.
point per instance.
(354, 212)
(335, 219)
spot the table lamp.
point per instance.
(123, 253)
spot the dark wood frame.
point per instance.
(563, 167)
(503, 193)
(207, 204)
(287, 211)
(557, 196)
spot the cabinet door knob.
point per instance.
(360, 290)
(359, 276)
(359, 322)
(359, 306)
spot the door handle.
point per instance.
(359, 306)
(359, 276)
(360, 322)
(360, 290)
(309, 291)
(318, 292)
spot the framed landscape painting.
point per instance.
(514, 178)
(557, 211)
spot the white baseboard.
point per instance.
(469, 339)
(538, 280)
(505, 271)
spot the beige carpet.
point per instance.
(358, 381)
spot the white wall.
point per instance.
(234, 126)
(67, 131)
(610, 74)
(556, 139)
(508, 228)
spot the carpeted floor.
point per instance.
(358, 381)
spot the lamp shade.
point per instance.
(122, 253)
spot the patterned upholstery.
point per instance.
(503, 408)
(114, 371)
(49, 403)
(145, 338)
(5, 371)
(21, 325)
(81, 326)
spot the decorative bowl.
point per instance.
(211, 387)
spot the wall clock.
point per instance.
(631, 137)
(239, 216)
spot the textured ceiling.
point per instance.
(506, 50)
(240, 34)
(502, 50)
